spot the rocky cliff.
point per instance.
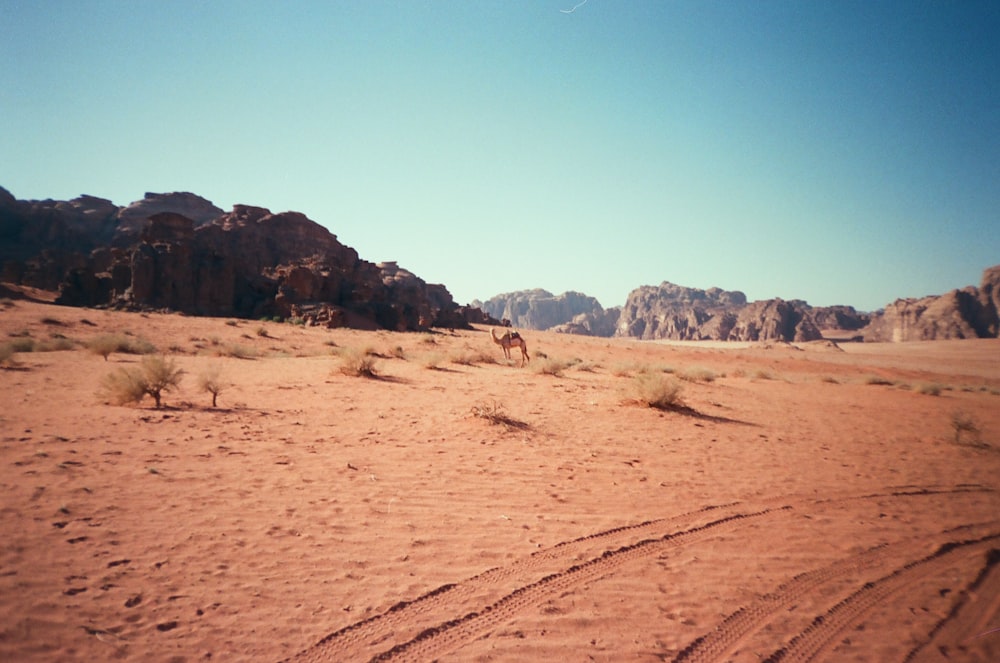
(670, 311)
(540, 309)
(179, 252)
(966, 313)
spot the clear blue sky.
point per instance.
(840, 152)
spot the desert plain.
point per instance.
(819, 501)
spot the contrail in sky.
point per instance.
(570, 11)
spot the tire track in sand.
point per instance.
(725, 638)
(453, 614)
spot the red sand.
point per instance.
(792, 508)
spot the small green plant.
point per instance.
(357, 364)
(656, 391)
(210, 380)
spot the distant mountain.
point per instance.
(177, 251)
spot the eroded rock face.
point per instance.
(966, 313)
(674, 312)
(540, 309)
(178, 251)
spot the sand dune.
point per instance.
(805, 503)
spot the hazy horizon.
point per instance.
(839, 153)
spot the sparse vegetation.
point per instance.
(210, 380)
(656, 391)
(696, 374)
(156, 376)
(878, 380)
(550, 366)
(930, 389)
(22, 344)
(494, 412)
(963, 422)
(236, 350)
(6, 353)
(357, 364)
(432, 360)
(106, 344)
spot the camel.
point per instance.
(508, 340)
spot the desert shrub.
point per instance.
(829, 379)
(963, 422)
(156, 376)
(550, 366)
(6, 352)
(52, 321)
(262, 332)
(210, 380)
(357, 364)
(398, 352)
(493, 412)
(55, 344)
(877, 380)
(696, 374)
(656, 391)
(236, 351)
(763, 374)
(432, 360)
(123, 386)
(105, 344)
(232, 323)
(161, 375)
(470, 357)
(930, 389)
(22, 344)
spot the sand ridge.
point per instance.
(809, 503)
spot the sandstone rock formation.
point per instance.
(966, 313)
(179, 252)
(540, 309)
(596, 323)
(670, 311)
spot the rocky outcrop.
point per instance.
(598, 323)
(179, 252)
(966, 313)
(670, 311)
(540, 309)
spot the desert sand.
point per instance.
(808, 502)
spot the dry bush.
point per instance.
(550, 366)
(432, 360)
(237, 351)
(357, 364)
(696, 374)
(105, 344)
(123, 386)
(878, 380)
(471, 357)
(963, 422)
(156, 376)
(6, 353)
(161, 374)
(930, 389)
(210, 380)
(55, 344)
(656, 391)
(493, 412)
(398, 352)
(22, 344)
